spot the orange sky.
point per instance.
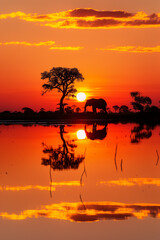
(115, 45)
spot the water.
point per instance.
(55, 183)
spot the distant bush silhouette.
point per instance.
(28, 110)
(116, 108)
(78, 110)
(123, 109)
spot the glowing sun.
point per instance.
(81, 97)
(81, 134)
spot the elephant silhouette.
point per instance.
(96, 103)
(96, 134)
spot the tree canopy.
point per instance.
(140, 102)
(62, 79)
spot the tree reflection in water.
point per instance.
(141, 132)
(62, 157)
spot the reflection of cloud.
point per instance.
(89, 18)
(134, 182)
(37, 187)
(50, 44)
(133, 49)
(93, 211)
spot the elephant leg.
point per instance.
(104, 109)
(94, 127)
(94, 109)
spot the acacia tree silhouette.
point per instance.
(62, 79)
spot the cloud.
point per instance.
(133, 49)
(89, 18)
(80, 12)
(66, 48)
(47, 43)
(50, 44)
(134, 182)
(94, 211)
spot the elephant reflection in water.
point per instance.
(140, 132)
(96, 103)
(96, 134)
(62, 157)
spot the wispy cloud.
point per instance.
(89, 18)
(88, 212)
(133, 49)
(51, 44)
(133, 182)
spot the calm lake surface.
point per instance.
(57, 183)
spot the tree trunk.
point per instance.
(61, 104)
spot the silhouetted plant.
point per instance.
(62, 79)
(124, 109)
(69, 109)
(28, 110)
(140, 103)
(152, 109)
(116, 107)
(78, 110)
(42, 110)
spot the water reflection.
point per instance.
(81, 134)
(130, 193)
(62, 157)
(141, 132)
(96, 134)
(94, 211)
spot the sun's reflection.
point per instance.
(81, 134)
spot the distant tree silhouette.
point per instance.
(134, 94)
(140, 103)
(115, 107)
(124, 109)
(42, 110)
(152, 109)
(62, 79)
(69, 109)
(28, 110)
(78, 110)
(62, 157)
(73, 107)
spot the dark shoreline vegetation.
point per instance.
(49, 117)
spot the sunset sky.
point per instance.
(114, 44)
